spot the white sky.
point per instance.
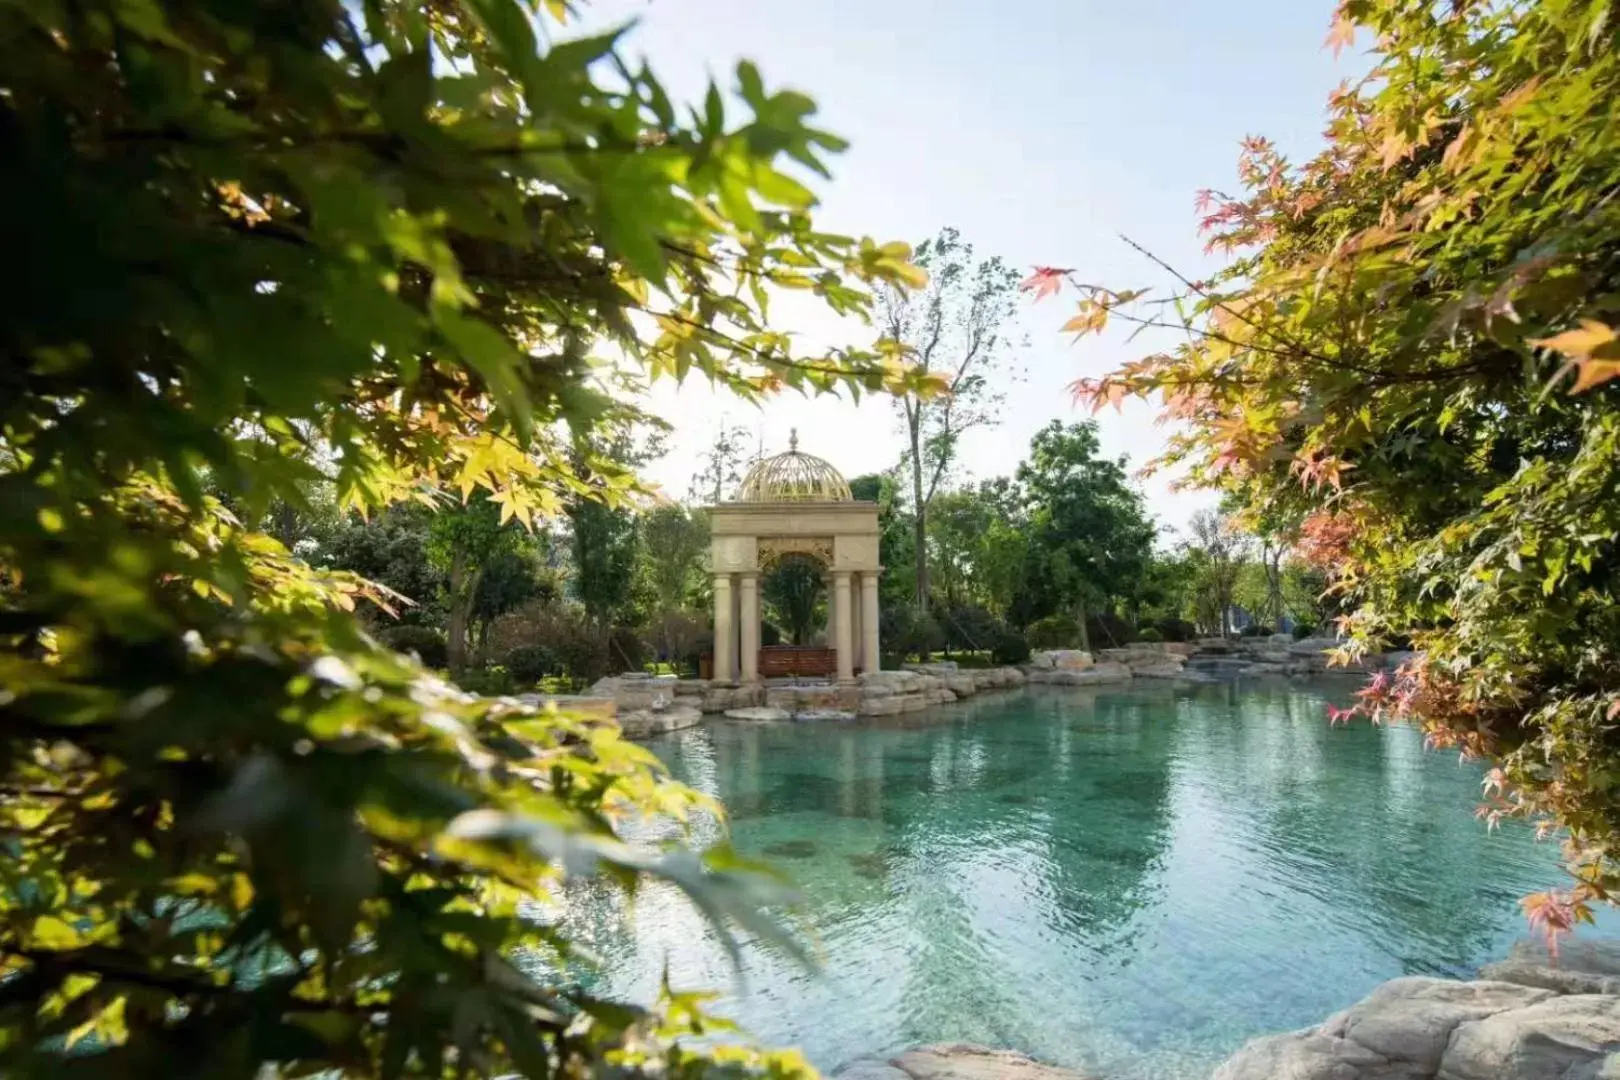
(1041, 130)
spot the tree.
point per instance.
(1216, 550)
(895, 537)
(674, 543)
(463, 542)
(722, 464)
(605, 545)
(1089, 538)
(793, 589)
(242, 836)
(1411, 356)
(958, 325)
(390, 549)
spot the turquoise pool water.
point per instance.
(1132, 881)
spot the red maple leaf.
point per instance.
(1046, 280)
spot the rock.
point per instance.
(1582, 967)
(892, 705)
(1158, 671)
(812, 715)
(1180, 648)
(1106, 672)
(799, 698)
(759, 713)
(1438, 1029)
(955, 1061)
(963, 684)
(1062, 659)
(719, 698)
(937, 667)
(640, 723)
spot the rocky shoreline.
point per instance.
(646, 705)
(1529, 1017)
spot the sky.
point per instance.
(1043, 130)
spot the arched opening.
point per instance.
(793, 592)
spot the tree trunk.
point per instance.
(1080, 620)
(463, 586)
(919, 520)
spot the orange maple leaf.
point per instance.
(1594, 351)
(1341, 35)
(1046, 280)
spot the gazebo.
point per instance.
(794, 504)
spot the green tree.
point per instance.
(1412, 355)
(1217, 552)
(960, 325)
(674, 543)
(604, 545)
(722, 464)
(464, 542)
(1089, 539)
(242, 838)
(793, 592)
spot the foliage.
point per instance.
(674, 542)
(968, 627)
(391, 549)
(604, 544)
(1053, 632)
(530, 663)
(1411, 360)
(424, 642)
(905, 632)
(1149, 634)
(896, 538)
(1089, 539)
(464, 541)
(1303, 630)
(1215, 552)
(959, 325)
(721, 464)
(510, 580)
(369, 245)
(794, 593)
(1009, 647)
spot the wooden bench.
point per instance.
(781, 661)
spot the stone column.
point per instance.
(748, 602)
(870, 655)
(842, 639)
(724, 670)
(855, 632)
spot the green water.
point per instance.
(1133, 881)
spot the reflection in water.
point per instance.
(1133, 881)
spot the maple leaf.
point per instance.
(1594, 350)
(1092, 317)
(1046, 280)
(1342, 34)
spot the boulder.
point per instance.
(955, 1061)
(891, 705)
(1438, 1029)
(641, 723)
(719, 698)
(759, 713)
(962, 684)
(813, 715)
(1062, 659)
(1106, 672)
(1582, 966)
(799, 698)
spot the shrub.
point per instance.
(427, 643)
(489, 681)
(969, 626)
(1255, 630)
(909, 634)
(530, 663)
(1010, 647)
(1053, 632)
(1304, 630)
(1176, 629)
(768, 634)
(1106, 631)
(1150, 635)
(626, 651)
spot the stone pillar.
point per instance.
(855, 632)
(724, 670)
(870, 654)
(748, 602)
(842, 639)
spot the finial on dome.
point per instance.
(793, 440)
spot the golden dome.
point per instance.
(794, 477)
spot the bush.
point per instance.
(1176, 629)
(1149, 635)
(1107, 631)
(909, 634)
(427, 643)
(1255, 630)
(528, 664)
(626, 650)
(969, 626)
(489, 681)
(1010, 647)
(1304, 630)
(1053, 632)
(768, 633)
(584, 657)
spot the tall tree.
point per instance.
(721, 464)
(1089, 538)
(604, 544)
(463, 540)
(241, 838)
(793, 590)
(961, 325)
(1217, 549)
(1413, 355)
